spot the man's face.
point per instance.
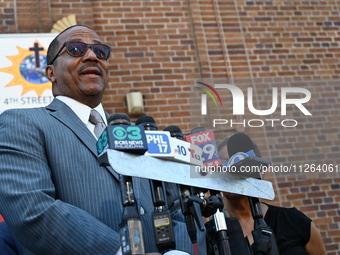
(81, 78)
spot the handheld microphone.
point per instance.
(162, 145)
(158, 144)
(184, 151)
(120, 135)
(189, 207)
(158, 141)
(242, 156)
(161, 218)
(205, 139)
(264, 240)
(175, 132)
(147, 122)
(131, 229)
(118, 119)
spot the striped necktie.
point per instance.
(97, 121)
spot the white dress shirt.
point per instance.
(83, 111)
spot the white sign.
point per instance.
(23, 83)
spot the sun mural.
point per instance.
(28, 69)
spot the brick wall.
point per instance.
(161, 47)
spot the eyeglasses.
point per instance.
(78, 49)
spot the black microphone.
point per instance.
(240, 145)
(147, 122)
(118, 119)
(120, 135)
(159, 145)
(161, 217)
(175, 132)
(214, 204)
(190, 204)
(197, 130)
(130, 229)
(239, 142)
(242, 157)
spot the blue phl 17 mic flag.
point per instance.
(120, 135)
(158, 141)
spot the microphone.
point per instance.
(241, 150)
(183, 151)
(243, 160)
(162, 145)
(175, 132)
(147, 122)
(120, 135)
(264, 238)
(131, 229)
(205, 139)
(208, 206)
(158, 141)
(239, 142)
(159, 144)
(189, 203)
(118, 119)
(194, 205)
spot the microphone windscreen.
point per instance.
(147, 122)
(239, 142)
(175, 132)
(118, 119)
(197, 130)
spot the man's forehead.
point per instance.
(79, 34)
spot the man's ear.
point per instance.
(49, 72)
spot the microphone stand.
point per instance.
(163, 229)
(131, 230)
(191, 211)
(215, 207)
(264, 239)
(194, 206)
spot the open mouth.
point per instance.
(91, 72)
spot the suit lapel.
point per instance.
(66, 115)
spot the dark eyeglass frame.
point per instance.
(91, 46)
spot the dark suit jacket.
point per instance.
(54, 195)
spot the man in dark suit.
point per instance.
(54, 194)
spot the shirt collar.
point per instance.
(82, 110)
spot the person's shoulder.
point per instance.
(292, 212)
(280, 209)
(22, 113)
(20, 118)
(15, 111)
